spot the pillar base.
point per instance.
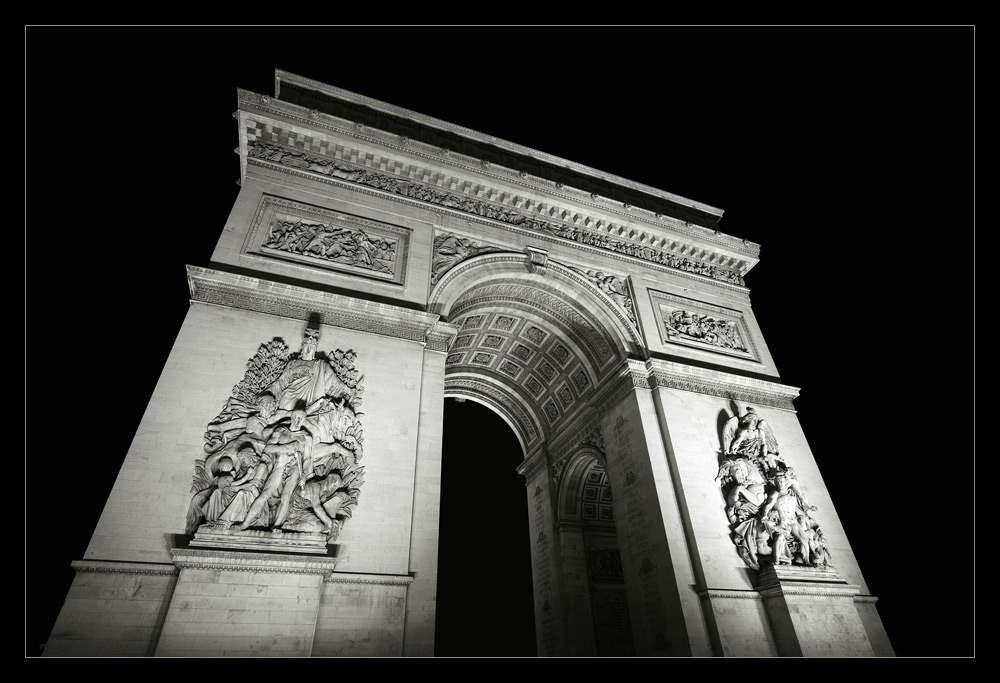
(243, 604)
(812, 612)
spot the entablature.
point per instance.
(286, 135)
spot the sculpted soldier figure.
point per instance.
(288, 439)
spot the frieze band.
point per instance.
(314, 163)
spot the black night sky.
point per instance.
(847, 153)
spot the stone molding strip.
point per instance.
(370, 579)
(655, 373)
(728, 594)
(672, 375)
(104, 566)
(251, 562)
(532, 465)
(264, 296)
(819, 589)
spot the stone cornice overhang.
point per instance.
(288, 301)
(390, 118)
(546, 204)
(655, 373)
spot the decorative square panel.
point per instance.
(534, 386)
(463, 341)
(560, 353)
(590, 493)
(454, 358)
(508, 368)
(546, 371)
(521, 352)
(589, 511)
(551, 411)
(607, 513)
(595, 477)
(564, 395)
(534, 334)
(472, 322)
(482, 358)
(700, 325)
(580, 380)
(504, 322)
(315, 237)
(493, 341)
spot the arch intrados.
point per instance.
(563, 283)
(480, 389)
(569, 496)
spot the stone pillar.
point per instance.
(361, 615)
(113, 609)
(812, 612)
(549, 636)
(421, 598)
(667, 618)
(577, 612)
(242, 604)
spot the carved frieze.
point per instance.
(770, 520)
(320, 238)
(311, 162)
(699, 325)
(283, 455)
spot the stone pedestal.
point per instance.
(812, 612)
(232, 603)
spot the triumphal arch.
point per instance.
(281, 496)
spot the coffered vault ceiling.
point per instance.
(528, 353)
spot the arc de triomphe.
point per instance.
(281, 495)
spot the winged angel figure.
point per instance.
(768, 514)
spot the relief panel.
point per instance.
(284, 230)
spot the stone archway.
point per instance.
(535, 343)
(587, 525)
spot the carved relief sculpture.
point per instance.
(702, 328)
(284, 452)
(616, 288)
(333, 243)
(450, 250)
(770, 519)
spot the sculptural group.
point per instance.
(284, 452)
(770, 519)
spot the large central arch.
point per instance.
(534, 341)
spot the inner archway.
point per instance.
(484, 591)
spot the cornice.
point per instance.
(252, 562)
(672, 375)
(655, 373)
(370, 579)
(348, 96)
(531, 466)
(288, 301)
(833, 591)
(106, 567)
(728, 594)
(660, 234)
